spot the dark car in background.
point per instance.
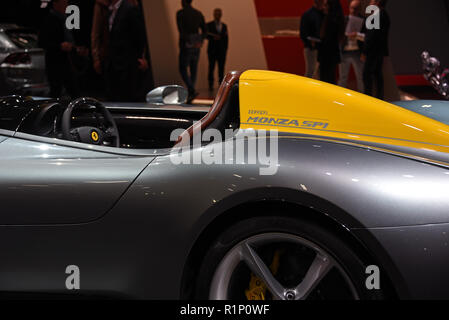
(22, 63)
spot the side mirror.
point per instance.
(168, 95)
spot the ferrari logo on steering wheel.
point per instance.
(94, 136)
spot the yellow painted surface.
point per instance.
(289, 103)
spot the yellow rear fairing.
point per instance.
(289, 103)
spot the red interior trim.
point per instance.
(411, 80)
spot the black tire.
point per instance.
(352, 264)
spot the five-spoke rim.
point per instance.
(245, 252)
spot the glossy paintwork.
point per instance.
(101, 151)
(5, 134)
(422, 155)
(139, 248)
(420, 254)
(352, 178)
(289, 103)
(13, 110)
(130, 218)
(49, 184)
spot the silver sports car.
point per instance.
(286, 188)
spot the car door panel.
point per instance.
(48, 184)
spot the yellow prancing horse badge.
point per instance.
(94, 136)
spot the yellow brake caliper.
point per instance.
(257, 288)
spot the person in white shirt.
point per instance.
(351, 51)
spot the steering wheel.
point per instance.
(106, 129)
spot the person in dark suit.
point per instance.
(375, 50)
(192, 32)
(332, 34)
(310, 28)
(125, 61)
(58, 43)
(100, 35)
(217, 33)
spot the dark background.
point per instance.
(28, 13)
(418, 25)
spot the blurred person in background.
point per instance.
(100, 35)
(192, 31)
(217, 33)
(125, 62)
(351, 48)
(332, 33)
(58, 43)
(375, 50)
(310, 30)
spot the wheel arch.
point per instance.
(289, 203)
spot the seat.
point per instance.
(220, 112)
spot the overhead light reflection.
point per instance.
(414, 128)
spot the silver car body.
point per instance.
(135, 223)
